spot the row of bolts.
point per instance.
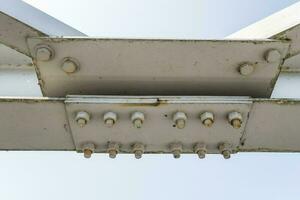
(179, 118)
(176, 148)
(71, 65)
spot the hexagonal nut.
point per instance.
(82, 118)
(273, 56)
(225, 149)
(176, 149)
(113, 149)
(207, 119)
(200, 149)
(110, 119)
(138, 150)
(43, 52)
(180, 118)
(246, 69)
(137, 119)
(70, 65)
(235, 119)
(88, 149)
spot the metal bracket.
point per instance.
(160, 122)
(152, 67)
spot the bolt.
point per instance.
(138, 150)
(110, 119)
(200, 149)
(176, 149)
(226, 154)
(207, 119)
(88, 149)
(113, 149)
(179, 119)
(82, 118)
(246, 69)
(225, 150)
(70, 65)
(44, 52)
(235, 119)
(137, 119)
(273, 56)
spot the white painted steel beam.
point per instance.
(51, 124)
(37, 19)
(19, 21)
(283, 25)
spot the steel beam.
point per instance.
(51, 124)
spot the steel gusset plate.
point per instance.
(158, 131)
(157, 67)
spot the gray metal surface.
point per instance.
(158, 67)
(20, 21)
(283, 25)
(158, 130)
(14, 33)
(34, 124)
(49, 124)
(273, 126)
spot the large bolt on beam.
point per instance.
(138, 119)
(113, 149)
(180, 119)
(138, 150)
(110, 119)
(200, 149)
(82, 118)
(88, 149)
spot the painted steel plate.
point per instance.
(158, 67)
(158, 131)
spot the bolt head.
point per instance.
(43, 53)
(81, 122)
(225, 150)
(109, 122)
(112, 153)
(201, 154)
(137, 119)
(180, 123)
(176, 154)
(207, 119)
(236, 123)
(200, 149)
(88, 150)
(273, 56)
(110, 119)
(138, 154)
(69, 66)
(179, 119)
(208, 122)
(246, 69)
(138, 150)
(226, 154)
(112, 149)
(235, 119)
(82, 118)
(176, 149)
(137, 123)
(87, 153)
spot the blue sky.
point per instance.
(67, 175)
